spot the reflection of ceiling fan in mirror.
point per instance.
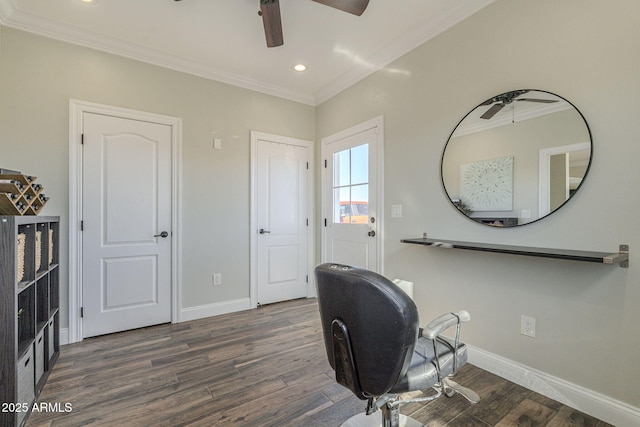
(270, 12)
(501, 101)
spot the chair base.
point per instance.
(375, 420)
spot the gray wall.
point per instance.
(39, 76)
(585, 51)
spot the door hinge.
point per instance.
(307, 165)
(81, 311)
(81, 225)
(325, 163)
(82, 138)
(307, 278)
(325, 222)
(307, 222)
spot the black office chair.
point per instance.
(378, 350)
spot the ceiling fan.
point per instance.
(501, 101)
(270, 12)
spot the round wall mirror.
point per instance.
(516, 158)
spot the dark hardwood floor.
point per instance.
(263, 367)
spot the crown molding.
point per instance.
(12, 17)
(482, 125)
(20, 20)
(414, 37)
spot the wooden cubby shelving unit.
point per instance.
(29, 319)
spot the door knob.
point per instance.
(263, 231)
(371, 233)
(164, 234)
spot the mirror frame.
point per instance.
(493, 99)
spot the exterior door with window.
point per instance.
(352, 222)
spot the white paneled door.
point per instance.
(281, 192)
(126, 214)
(352, 197)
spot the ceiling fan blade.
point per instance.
(492, 111)
(270, 11)
(356, 7)
(544, 101)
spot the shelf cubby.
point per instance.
(42, 247)
(26, 254)
(54, 290)
(54, 230)
(26, 318)
(42, 303)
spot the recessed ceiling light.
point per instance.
(299, 67)
(87, 1)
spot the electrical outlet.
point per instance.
(217, 279)
(528, 326)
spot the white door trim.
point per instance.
(378, 124)
(76, 110)
(255, 136)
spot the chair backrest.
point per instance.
(380, 323)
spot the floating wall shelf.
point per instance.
(621, 257)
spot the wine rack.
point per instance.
(20, 195)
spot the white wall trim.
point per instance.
(214, 309)
(64, 336)
(13, 17)
(413, 37)
(76, 110)
(467, 127)
(253, 226)
(592, 403)
(21, 20)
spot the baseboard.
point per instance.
(64, 336)
(215, 309)
(605, 408)
(193, 313)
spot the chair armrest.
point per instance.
(442, 323)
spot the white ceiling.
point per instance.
(224, 40)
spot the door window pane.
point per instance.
(350, 185)
(342, 168)
(360, 164)
(342, 205)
